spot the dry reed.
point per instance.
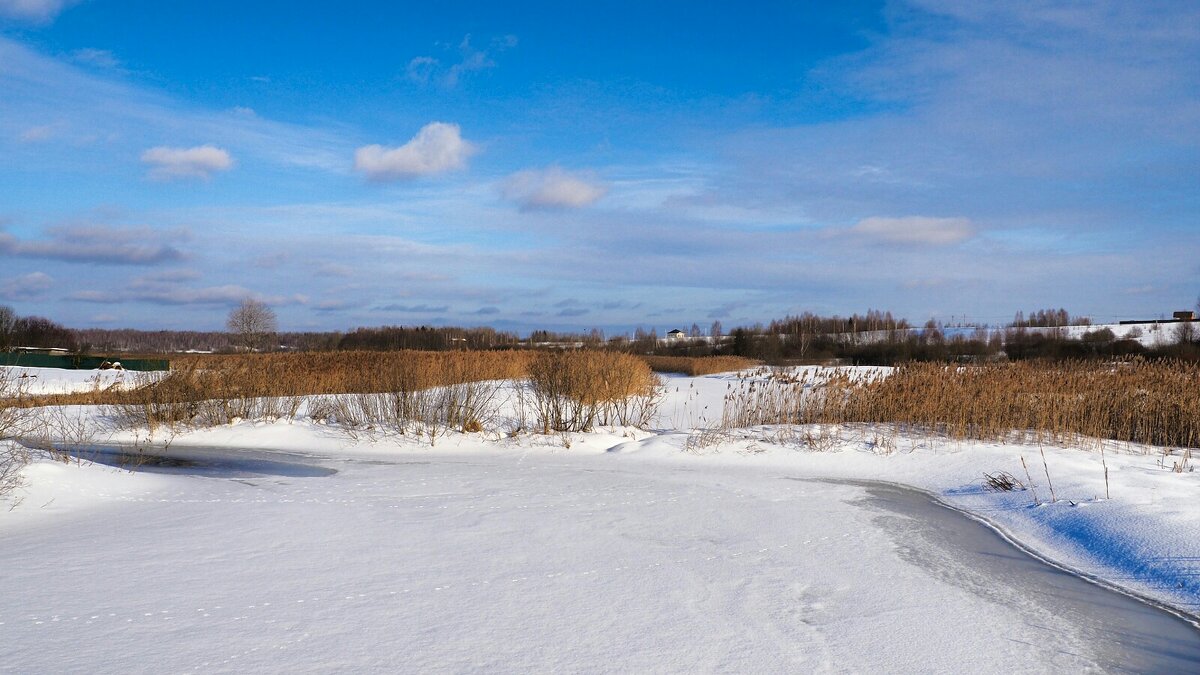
(211, 389)
(696, 366)
(1153, 403)
(422, 393)
(575, 391)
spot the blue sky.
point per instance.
(567, 165)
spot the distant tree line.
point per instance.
(382, 338)
(1048, 318)
(873, 338)
(32, 331)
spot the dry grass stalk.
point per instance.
(1001, 481)
(1152, 403)
(696, 366)
(576, 391)
(216, 389)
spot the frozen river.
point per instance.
(257, 562)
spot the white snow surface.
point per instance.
(629, 551)
(38, 381)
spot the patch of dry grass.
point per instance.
(1152, 403)
(575, 391)
(696, 366)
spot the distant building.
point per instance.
(676, 335)
(1175, 318)
(52, 351)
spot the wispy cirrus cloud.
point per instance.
(171, 294)
(34, 11)
(552, 188)
(202, 161)
(98, 244)
(437, 148)
(471, 59)
(101, 58)
(915, 230)
(86, 104)
(413, 309)
(37, 134)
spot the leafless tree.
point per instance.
(252, 324)
(8, 322)
(1185, 332)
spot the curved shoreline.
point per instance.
(1184, 615)
(1158, 638)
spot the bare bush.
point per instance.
(14, 422)
(575, 391)
(423, 398)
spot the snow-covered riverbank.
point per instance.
(630, 550)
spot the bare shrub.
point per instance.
(1001, 481)
(14, 415)
(424, 397)
(14, 422)
(575, 391)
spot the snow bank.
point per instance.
(627, 550)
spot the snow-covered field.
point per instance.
(629, 551)
(38, 381)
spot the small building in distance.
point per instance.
(46, 351)
(676, 335)
(1176, 317)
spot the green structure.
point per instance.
(79, 362)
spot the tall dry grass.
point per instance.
(696, 366)
(216, 389)
(576, 391)
(407, 392)
(1153, 403)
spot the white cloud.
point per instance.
(96, 57)
(915, 230)
(421, 68)
(39, 133)
(198, 162)
(438, 147)
(26, 287)
(552, 188)
(36, 11)
(98, 244)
